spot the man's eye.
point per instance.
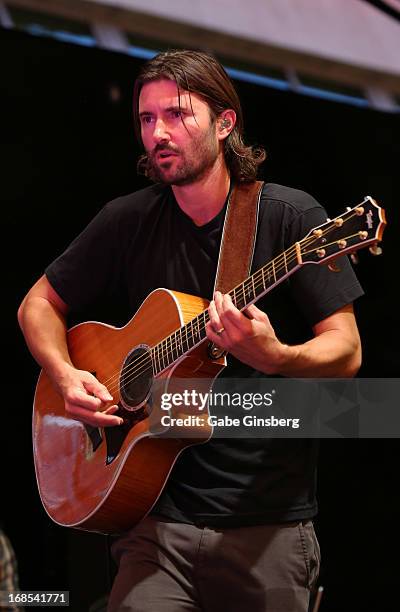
(177, 114)
(147, 119)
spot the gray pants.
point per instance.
(175, 567)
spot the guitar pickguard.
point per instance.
(115, 436)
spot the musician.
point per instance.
(233, 526)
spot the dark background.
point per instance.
(67, 147)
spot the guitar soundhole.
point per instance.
(136, 378)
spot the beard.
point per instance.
(188, 166)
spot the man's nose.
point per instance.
(160, 131)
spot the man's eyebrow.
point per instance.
(171, 107)
(176, 107)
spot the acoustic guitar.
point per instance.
(108, 479)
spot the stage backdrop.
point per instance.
(68, 147)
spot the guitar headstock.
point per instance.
(355, 229)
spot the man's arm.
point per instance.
(335, 351)
(42, 318)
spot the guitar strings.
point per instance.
(134, 368)
(137, 371)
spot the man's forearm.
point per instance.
(329, 355)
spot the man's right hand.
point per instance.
(86, 399)
(42, 317)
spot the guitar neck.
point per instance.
(184, 339)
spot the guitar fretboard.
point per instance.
(184, 339)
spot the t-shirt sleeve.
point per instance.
(89, 269)
(317, 290)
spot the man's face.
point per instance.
(178, 135)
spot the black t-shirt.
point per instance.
(143, 241)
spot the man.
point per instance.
(233, 526)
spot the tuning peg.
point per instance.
(317, 233)
(328, 220)
(375, 249)
(354, 258)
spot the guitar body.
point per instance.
(108, 479)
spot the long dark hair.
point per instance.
(202, 74)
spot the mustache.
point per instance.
(163, 148)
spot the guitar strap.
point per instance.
(237, 242)
(238, 236)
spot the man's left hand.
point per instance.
(247, 335)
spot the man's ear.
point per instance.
(225, 123)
